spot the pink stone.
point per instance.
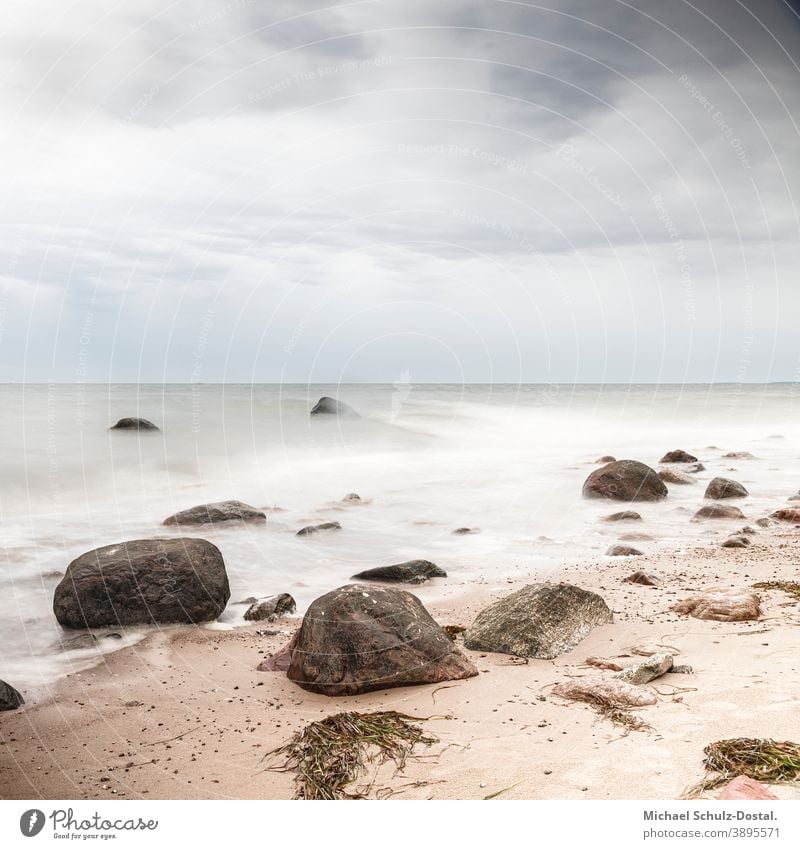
(743, 787)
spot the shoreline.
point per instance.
(184, 714)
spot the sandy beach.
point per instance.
(186, 715)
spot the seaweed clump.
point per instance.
(790, 587)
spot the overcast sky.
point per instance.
(455, 191)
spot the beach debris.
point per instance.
(410, 572)
(540, 620)
(603, 663)
(739, 541)
(790, 587)
(760, 759)
(354, 641)
(460, 532)
(221, 511)
(669, 475)
(678, 456)
(145, 581)
(10, 698)
(605, 459)
(500, 792)
(623, 551)
(133, 423)
(788, 514)
(718, 511)
(352, 498)
(327, 406)
(453, 631)
(743, 788)
(625, 480)
(314, 529)
(648, 670)
(647, 579)
(330, 754)
(723, 604)
(612, 699)
(738, 455)
(269, 609)
(721, 488)
(623, 516)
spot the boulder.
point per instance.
(10, 699)
(720, 488)
(142, 582)
(268, 609)
(788, 514)
(738, 455)
(743, 789)
(625, 480)
(678, 456)
(719, 511)
(220, 511)
(604, 691)
(410, 572)
(605, 459)
(624, 516)
(674, 476)
(327, 406)
(540, 620)
(647, 579)
(354, 640)
(314, 529)
(736, 542)
(131, 423)
(723, 604)
(623, 551)
(647, 670)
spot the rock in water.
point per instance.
(625, 480)
(648, 670)
(743, 788)
(738, 455)
(623, 516)
(694, 469)
(736, 542)
(789, 514)
(605, 459)
(410, 572)
(720, 488)
(10, 699)
(267, 609)
(723, 604)
(142, 582)
(669, 475)
(327, 406)
(352, 498)
(540, 620)
(719, 511)
(131, 423)
(605, 691)
(623, 551)
(355, 640)
(313, 529)
(221, 511)
(678, 456)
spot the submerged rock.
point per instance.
(604, 691)
(678, 456)
(694, 469)
(720, 488)
(131, 423)
(623, 551)
(623, 516)
(648, 670)
(268, 609)
(354, 641)
(143, 581)
(461, 532)
(352, 498)
(10, 699)
(410, 572)
(625, 480)
(314, 529)
(738, 455)
(540, 620)
(674, 476)
(719, 511)
(220, 511)
(327, 406)
(723, 604)
(606, 459)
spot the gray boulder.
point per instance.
(540, 620)
(131, 423)
(623, 551)
(410, 572)
(10, 699)
(268, 609)
(720, 488)
(315, 529)
(624, 516)
(327, 406)
(719, 511)
(145, 581)
(648, 670)
(220, 511)
(625, 480)
(678, 456)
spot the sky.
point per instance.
(390, 190)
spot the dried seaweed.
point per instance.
(790, 587)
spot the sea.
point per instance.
(505, 461)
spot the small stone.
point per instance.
(648, 670)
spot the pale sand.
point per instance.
(504, 728)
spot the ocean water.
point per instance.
(426, 459)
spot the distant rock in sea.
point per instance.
(410, 572)
(315, 529)
(623, 516)
(327, 406)
(623, 551)
(678, 456)
(670, 475)
(10, 699)
(605, 460)
(719, 511)
(738, 455)
(134, 424)
(220, 511)
(352, 498)
(625, 480)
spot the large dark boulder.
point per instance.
(131, 423)
(220, 511)
(678, 456)
(540, 620)
(410, 572)
(720, 488)
(327, 406)
(10, 699)
(355, 640)
(625, 480)
(143, 581)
